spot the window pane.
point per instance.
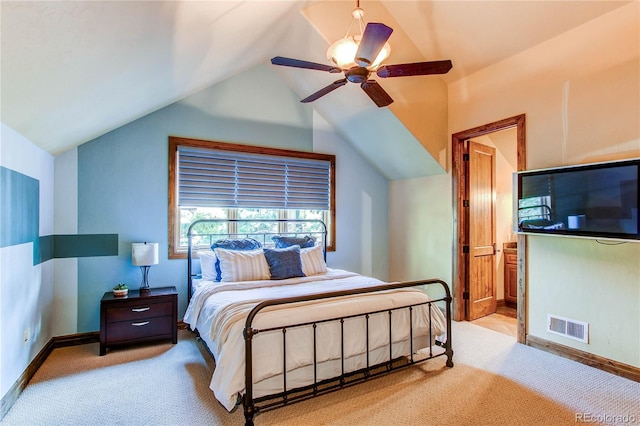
(256, 230)
(188, 215)
(534, 208)
(322, 215)
(305, 215)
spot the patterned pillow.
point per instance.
(303, 242)
(284, 263)
(313, 261)
(237, 244)
(234, 244)
(242, 265)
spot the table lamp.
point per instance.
(144, 255)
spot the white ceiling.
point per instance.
(74, 70)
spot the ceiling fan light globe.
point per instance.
(342, 52)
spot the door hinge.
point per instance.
(465, 295)
(465, 203)
(465, 157)
(465, 249)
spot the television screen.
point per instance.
(595, 200)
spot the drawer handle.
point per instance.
(140, 309)
(139, 324)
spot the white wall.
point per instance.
(65, 299)
(581, 95)
(26, 290)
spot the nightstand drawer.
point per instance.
(511, 258)
(137, 329)
(139, 311)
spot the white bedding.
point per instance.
(219, 310)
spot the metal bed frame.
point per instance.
(253, 406)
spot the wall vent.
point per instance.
(573, 329)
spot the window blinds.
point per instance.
(231, 179)
(536, 186)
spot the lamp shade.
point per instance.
(144, 254)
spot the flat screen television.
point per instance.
(597, 200)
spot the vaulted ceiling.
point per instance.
(74, 70)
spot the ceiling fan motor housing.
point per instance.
(357, 74)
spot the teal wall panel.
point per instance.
(19, 208)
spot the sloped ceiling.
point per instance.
(73, 70)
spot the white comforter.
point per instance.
(226, 305)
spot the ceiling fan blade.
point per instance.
(374, 37)
(376, 93)
(297, 63)
(418, 68)
(330, 88)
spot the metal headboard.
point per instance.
(302, 227)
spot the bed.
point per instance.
(283, 327)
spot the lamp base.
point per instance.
(144, 285)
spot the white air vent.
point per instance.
(573, 329)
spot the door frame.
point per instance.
(459, 183)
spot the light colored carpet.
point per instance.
(495, 381)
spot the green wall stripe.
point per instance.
(45, 250)
(85, 245)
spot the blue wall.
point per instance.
(123, 183)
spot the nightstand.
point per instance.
(136, 318)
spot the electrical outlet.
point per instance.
(26, 335)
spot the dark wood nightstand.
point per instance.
(136, 318)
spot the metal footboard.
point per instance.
(253, 406)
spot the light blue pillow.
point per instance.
(233, 244)
(284, 263)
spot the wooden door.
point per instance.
(481, 187)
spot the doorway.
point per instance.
(461, 183)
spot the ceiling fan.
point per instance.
(361, 55)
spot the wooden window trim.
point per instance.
(173, 217)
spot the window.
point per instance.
(532, 208)
(225, 181)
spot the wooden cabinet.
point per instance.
(139, 317)
(511, 276)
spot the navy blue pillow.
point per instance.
(237, 244)
(284, 263)
(303, 242)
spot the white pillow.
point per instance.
(313, 261)
(208, 265)
(243, 265)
